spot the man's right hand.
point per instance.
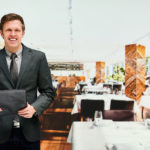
(1, 109)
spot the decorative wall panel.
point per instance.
(135, 70)
(69, 81)
(100, 72)
(65, 66)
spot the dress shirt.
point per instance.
(18, 59)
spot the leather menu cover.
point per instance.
(12, 100)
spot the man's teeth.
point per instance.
(12, 39)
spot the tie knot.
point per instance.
(13, 56)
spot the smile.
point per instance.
(12, 39)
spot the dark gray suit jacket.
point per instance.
(34, 74)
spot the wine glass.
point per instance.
(147, 119)
(98, 117)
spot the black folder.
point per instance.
(12, 100)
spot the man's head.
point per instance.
(12, 29)
(11, 17)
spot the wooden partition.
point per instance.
(134, 71)
(69, 81)
(100, 72)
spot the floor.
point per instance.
(56, 122)
(55, 145)
(54, 132)
(55, 125)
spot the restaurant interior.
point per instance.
(98, 53)
(119, 92)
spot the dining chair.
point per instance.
(117, 86)
(121, 105)
(89, 106)
(119, 115)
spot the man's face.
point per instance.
(12, 34)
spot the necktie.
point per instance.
(14, 68)
(14, 75)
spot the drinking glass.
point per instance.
(98, 117)
(147, 119)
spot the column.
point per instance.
(135, 70)
(100, 72)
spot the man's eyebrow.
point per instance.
(8, 29)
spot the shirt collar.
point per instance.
(18, 53)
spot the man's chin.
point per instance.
(12, 48)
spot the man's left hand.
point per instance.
(27, 112)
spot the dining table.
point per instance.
(95, 89)
(109, 135)
(145, 101)
(106, 97)
(144, 105)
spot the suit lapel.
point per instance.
(4, 65)
(26, 56)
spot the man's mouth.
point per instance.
(12, 39)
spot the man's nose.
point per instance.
(13, 33)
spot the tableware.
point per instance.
(110, 146)
(147, 123)
(98, 117)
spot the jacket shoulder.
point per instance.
(34, 51)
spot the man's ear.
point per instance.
(1, 33)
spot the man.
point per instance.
(22, 131)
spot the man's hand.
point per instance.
(1, 109)
(27, 112)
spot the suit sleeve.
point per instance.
(44, 86)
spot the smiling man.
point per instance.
(22, 68)
(12, 33)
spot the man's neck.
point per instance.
(13, 49)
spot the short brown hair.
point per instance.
(10, 17)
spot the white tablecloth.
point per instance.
(95, 89)
(145, 101)
(122, 135)
(107, 99)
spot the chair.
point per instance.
(117, 86)
(119, 115)
(121, 105)
(89, 106)
(107, 85)
(55, 124)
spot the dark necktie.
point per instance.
(14, 68)
(14, 75)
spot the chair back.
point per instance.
(89, 106)
(119, 115)
(117, 86)
(121, 105)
